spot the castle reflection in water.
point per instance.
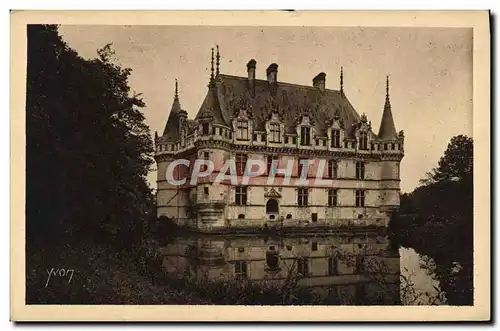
(359, 269)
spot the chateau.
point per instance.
(244, 118)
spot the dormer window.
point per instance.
(363, 140)
(335, 138)
(205, 129)
(275, 134)
(242, 130)
(305, 136)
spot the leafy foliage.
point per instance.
(88, 148)
(437, 220)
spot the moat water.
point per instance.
(343, 269)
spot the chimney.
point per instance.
(319, 81)
(251, 75)
(272, 73)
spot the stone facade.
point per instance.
(243, 118)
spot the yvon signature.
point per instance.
(59, 273)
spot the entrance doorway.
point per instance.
(272, 209)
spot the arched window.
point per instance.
(272, 207)
(360, 170)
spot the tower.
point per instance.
(392, 152)
(167, 195)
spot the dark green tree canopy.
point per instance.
(88, 148)
(457, 162)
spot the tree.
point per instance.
(456, 164)
(88, 148)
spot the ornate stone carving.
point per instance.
(272, 193)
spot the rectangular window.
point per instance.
(242, 130)
(332, 267)
(360, 170)
(314, 246)
(360, 198)
(314, 217)
(332, 197)
(363, 141)
(300, 166)
(240, 269)
(241, 161)
(305, 136)
(205, 190)
(332, 169)
(275, 133)
(204, 156)
(360, 264)
(302, 196)
(241, 195)
(335, 138)
(204, 128)
(294, 140)
(254, 137)
(270, 159)
(303, 266)
(286, 140)
(263, 137)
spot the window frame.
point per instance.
(269, 164)
(333, 268)
(240, 269)
(332, 168)
(305, 135)
(302, 197)
(360, 197)
(363, 140)
(241, 195)
(240, 163)
(205, 129)
(303, 266)
(335, 143)
(275, 133)
(333, 197)
(242, 130)
(360, 169)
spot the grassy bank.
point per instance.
(101, 275)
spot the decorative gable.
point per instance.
(275, 126)
(335, 130)
(272, 193)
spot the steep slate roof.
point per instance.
(171, 131)
(291, 100)
(387, 129)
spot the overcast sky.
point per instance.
(430, 72)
